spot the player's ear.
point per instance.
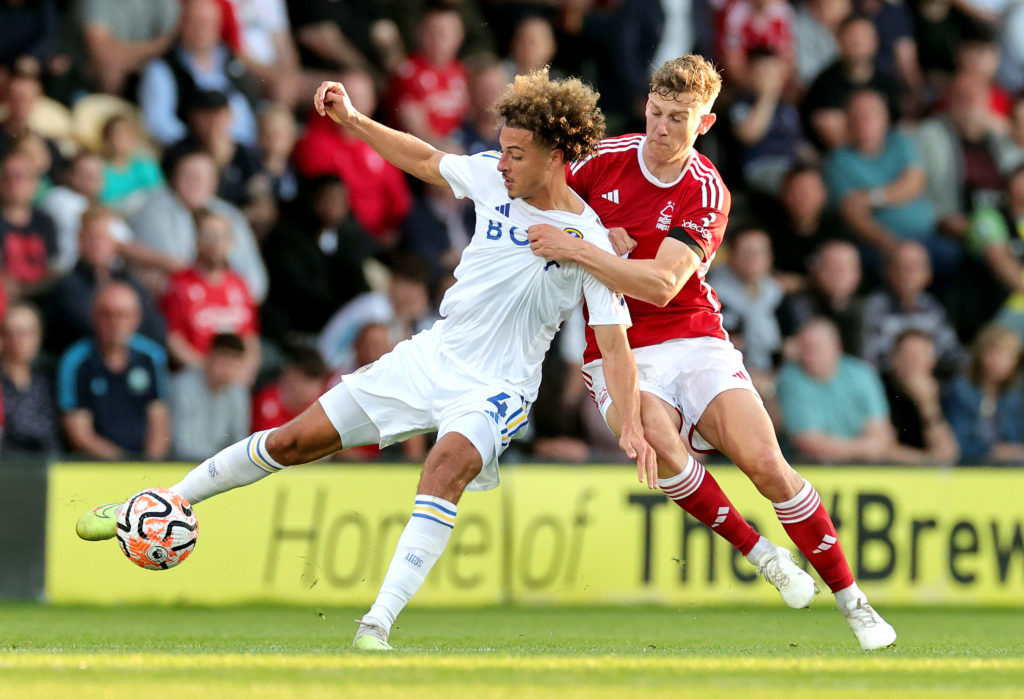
(557, 158)
(706, 122)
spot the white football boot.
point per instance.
(868, 626)
(371, 636)
(793, 583)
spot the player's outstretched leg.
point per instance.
(687, 483)
(451, 465)
(753, 447)
(308, 437)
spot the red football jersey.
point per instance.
(442, 92)
(199, 310)
(619, 187)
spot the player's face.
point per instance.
(525, 165)
(673, 125)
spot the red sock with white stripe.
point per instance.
(810, 527)
(696, 491)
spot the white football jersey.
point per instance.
(500, 316)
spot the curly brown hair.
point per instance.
(561, 114)
(691, 76)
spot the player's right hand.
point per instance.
(620, 240)
(333, 101)
(636, 447)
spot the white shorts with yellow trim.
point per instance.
(416, 388)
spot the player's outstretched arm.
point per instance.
(655, 281)
(404, 151)
(624, 414)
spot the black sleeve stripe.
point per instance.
(678, 233)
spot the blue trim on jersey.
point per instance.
(67, 373)
(490, 154)
(427, 503)
(433, 519)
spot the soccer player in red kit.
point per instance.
(673, 206)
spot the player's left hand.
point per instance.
(621, 242)
(551, 242)
(636, 447)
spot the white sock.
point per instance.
(421, 544)
(762, 547)
(848, 596)
(240, 464)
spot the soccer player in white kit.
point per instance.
(673, 205)
(472, 376)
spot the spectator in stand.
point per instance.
(533, 46)
(129, 173)
(28, 237)
(276, 143)
(23, 94)
(985, 405)
(824, 104)
(1011, 42)
(69, 306)
(268, 50)
(199, 61)
(166, 224)
(815, 25)
(405, 308)
(379, 194)
(903, 305)
(119, 36)
(996, 238)
(746, 289)
(479, 39)
(800, 224)
(897, 49)
(29, 411)
(959, 153)
(915, 401)
(112, 387)
(209, 130)
(940, 27)
(833, 405)
(315, 259)
(65, 204)
(438, 229)
(208, 299)
(210, 404)
(479, 131)
(831, 293)
(351, 35)
(29, 30)
(430, 92)
(749, 24)
(300, 384)
(878, 183)
(978, 56)
(765, 125)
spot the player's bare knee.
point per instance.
(768, 470)
(285, 445)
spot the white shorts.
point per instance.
(686, 373)
(415, 388)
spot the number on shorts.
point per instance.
(498, 402)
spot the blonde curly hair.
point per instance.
(688, 77)
(561, 114)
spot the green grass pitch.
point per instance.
(268, 651)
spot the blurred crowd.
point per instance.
(188, 253)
